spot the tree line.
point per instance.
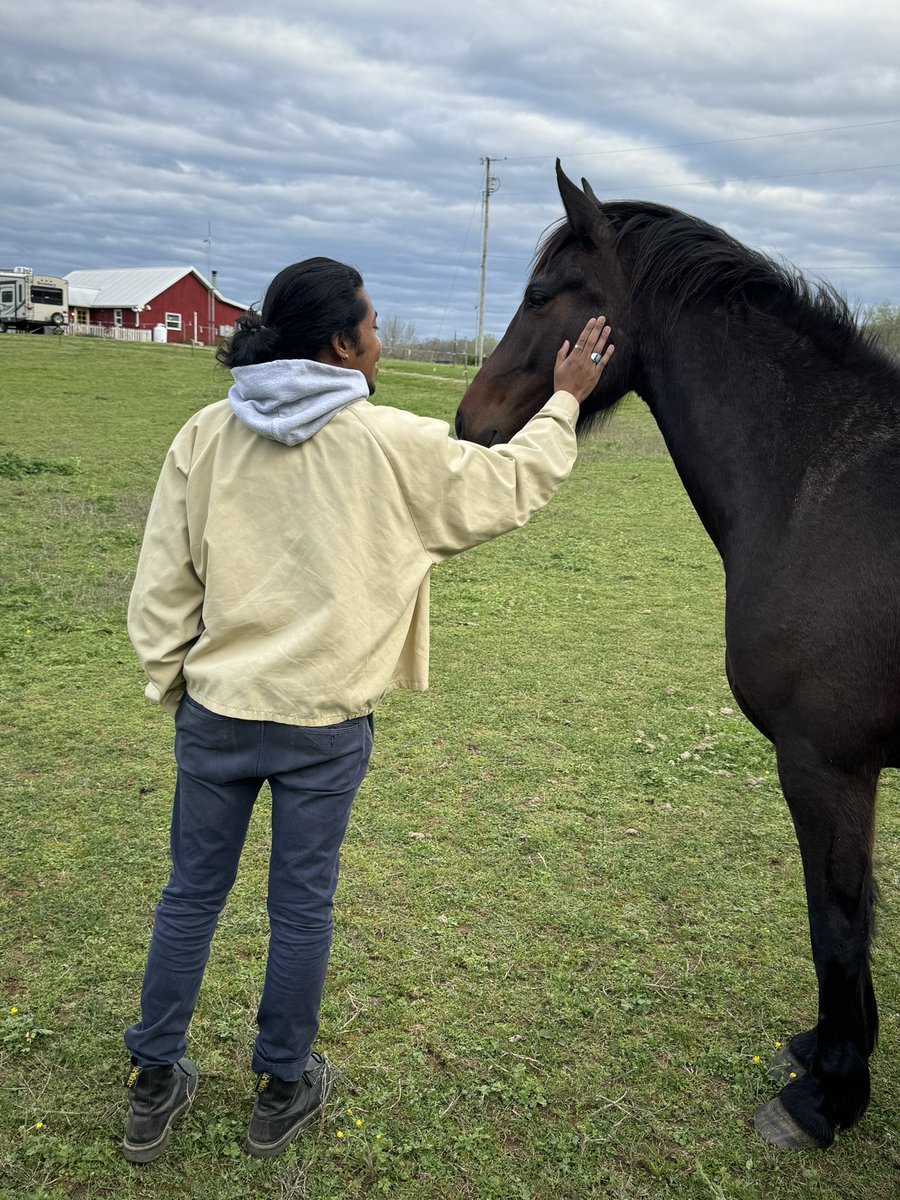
(399, 340)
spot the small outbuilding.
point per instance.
(178, 300)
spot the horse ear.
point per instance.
(582, 208)
(589, 191)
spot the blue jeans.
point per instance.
(314, 774)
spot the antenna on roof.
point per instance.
(211, 302)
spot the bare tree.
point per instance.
(884, 321)
(397, 335)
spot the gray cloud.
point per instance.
(344, 129)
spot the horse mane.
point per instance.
(676, 259)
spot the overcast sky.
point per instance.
(355, 129)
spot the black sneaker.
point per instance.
(157, 1097)
(284, 1107)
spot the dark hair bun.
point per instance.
(252, 342)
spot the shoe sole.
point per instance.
(273, 1149)
(146, 1152)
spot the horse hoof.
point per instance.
(775, 1125)
(784, 1067)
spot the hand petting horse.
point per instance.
(783, 421)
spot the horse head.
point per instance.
(577, 274)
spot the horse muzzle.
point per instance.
(484, 437)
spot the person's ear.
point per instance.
(340, 347)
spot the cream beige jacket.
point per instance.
(290, 583)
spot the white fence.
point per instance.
(118, 332)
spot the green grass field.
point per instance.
(570, 926)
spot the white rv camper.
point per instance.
(32, 303)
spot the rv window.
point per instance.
(46, 295)
(6, 296)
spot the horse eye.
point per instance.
(536, 299)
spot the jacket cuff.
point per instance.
(565, 402)
(168, 702)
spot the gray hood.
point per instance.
(290, 399)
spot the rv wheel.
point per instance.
(58, 319)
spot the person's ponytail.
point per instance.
(252, 342)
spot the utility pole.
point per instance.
(491, 183)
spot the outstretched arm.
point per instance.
(461, 494)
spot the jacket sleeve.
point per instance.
(165, 609)
(461, 494)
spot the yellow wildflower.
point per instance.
(13, 1010)
(756, 1058)
(340, 1133)
(793, 1075)
(358, 1123)
(39, 1125)
(778, 1045)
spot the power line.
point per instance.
(784, 175)
(742, 178)
(458, 265)
(751, 178)
(757, 137)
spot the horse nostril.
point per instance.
(459, 425)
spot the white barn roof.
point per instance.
(131, 287)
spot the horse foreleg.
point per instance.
(834, 815)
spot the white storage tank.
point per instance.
(160, 333)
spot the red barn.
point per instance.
(175, 299)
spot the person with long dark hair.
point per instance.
(281, 591)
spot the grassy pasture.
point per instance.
(570, 917)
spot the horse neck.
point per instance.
(726, 410)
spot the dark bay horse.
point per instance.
(783, 421)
